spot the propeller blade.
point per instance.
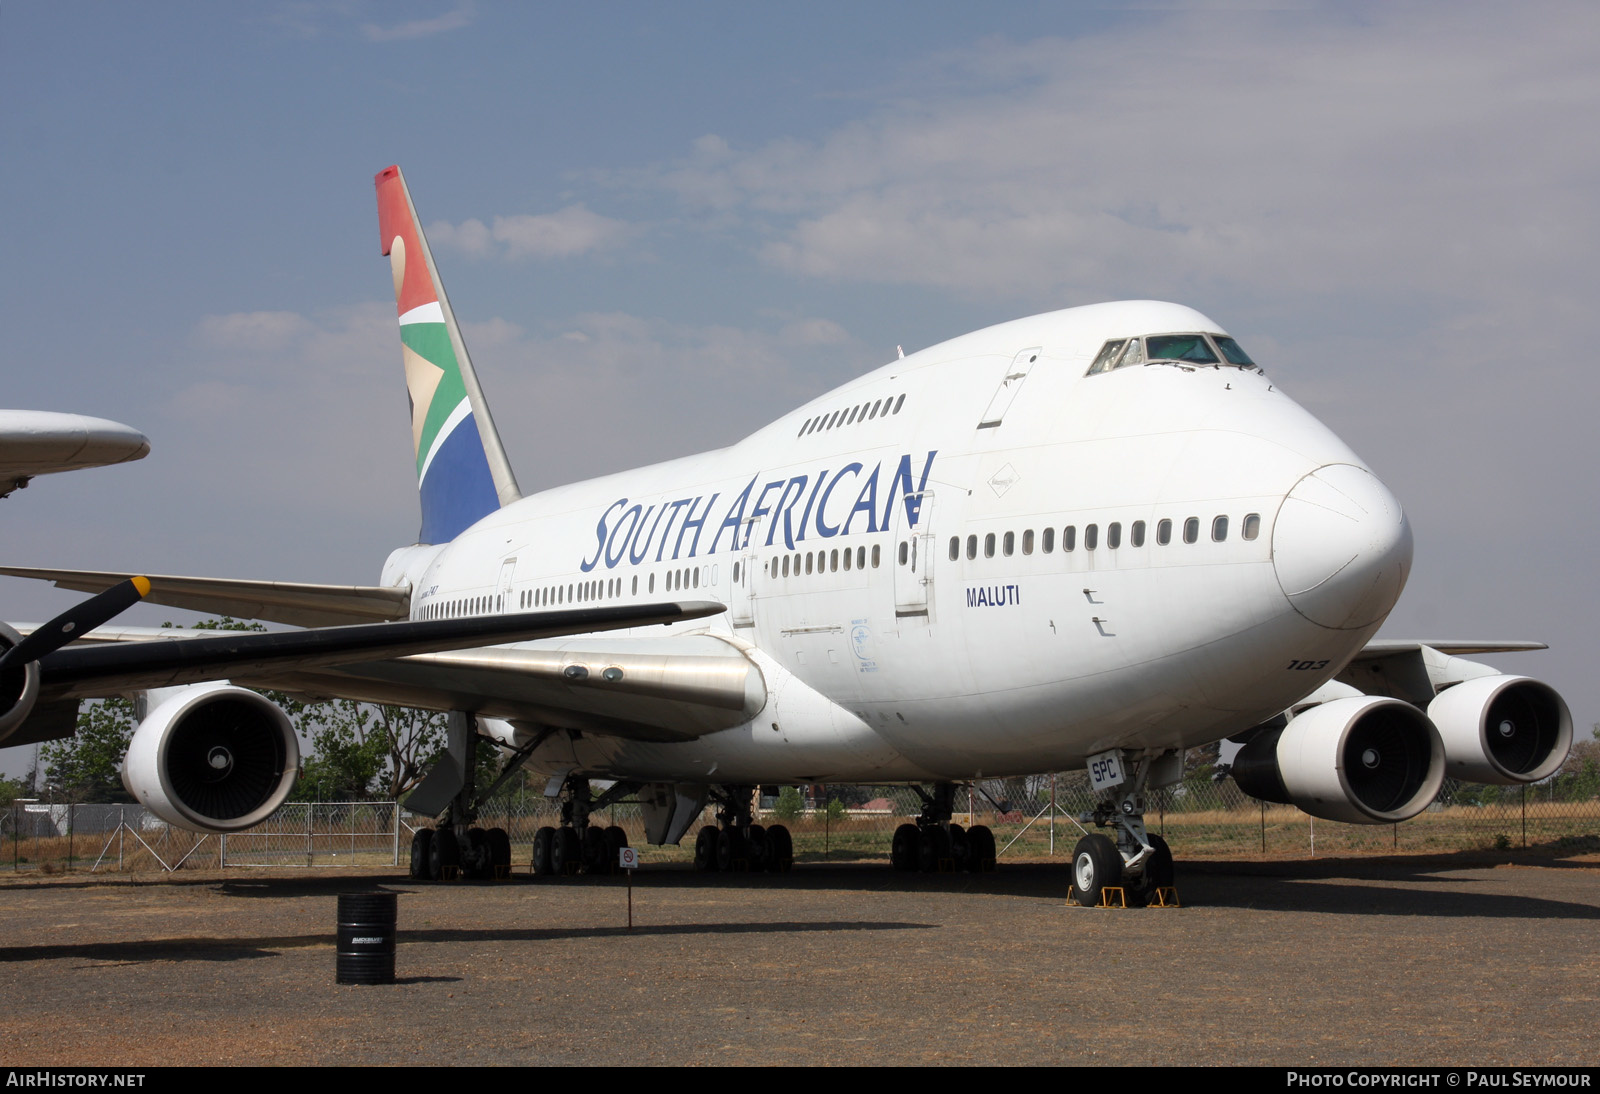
(77, 621)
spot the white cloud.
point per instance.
(574, 230)
(1202, 152)
(460, 16)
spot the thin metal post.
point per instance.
(70, 807)
(1052, 813)
(122, 824)
(1263, 827)
(1525, 815)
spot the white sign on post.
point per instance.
(628, 858)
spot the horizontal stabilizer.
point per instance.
(275, 601)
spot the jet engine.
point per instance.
(1360, 759)
(1502, 729)
(212, 758)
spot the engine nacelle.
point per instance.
(1502, 729)
(212, 758)
(19, 687)
(1360, 759)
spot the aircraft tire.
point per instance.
(566, 851)
(1095, 865)
(960, 846)
(705, 850)
(475, 861)
(446, 853)
(933, 846)
(543, 846)
(594, 850)
(499, 851)
(1158, 874)
(980, 849)
(756, 848)
(421, 848)
(906, 848)
(732, 854)
(780, 849)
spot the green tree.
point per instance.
(789, 805)
(362, 750)
(12, 789)
(87, 767)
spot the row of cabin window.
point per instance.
(851, 414)
(821, 562)
(1250, 529)
(578, 592)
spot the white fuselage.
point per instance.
(972, 641)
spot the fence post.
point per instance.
(122, 826)
(1525, 814)
(1052, 813)
(70, 807)
(1263, 827)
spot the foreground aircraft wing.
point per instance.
(83, 671)
(276, 601)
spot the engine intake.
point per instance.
(1502, 729)
(212, 758)
(1361, 759)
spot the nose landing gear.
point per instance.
(1130, 863)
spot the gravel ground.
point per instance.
(1464, 960)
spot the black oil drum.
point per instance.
(366, 938)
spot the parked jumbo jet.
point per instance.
(1092, 538)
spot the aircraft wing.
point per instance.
(1386, 647)
(298, 605)
(1411, 669)
(89, 670)
(38, 442)
(673, 688)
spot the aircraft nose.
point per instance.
(1341, 547)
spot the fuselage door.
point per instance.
(913, 554)
(1006, 393)
(502, 597)
(744, 583)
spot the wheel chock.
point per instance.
(1111, 896)
(502, 873)
(1165, 896)
(449, 873)
(947, 866)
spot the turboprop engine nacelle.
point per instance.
(1361, 759)
(19, 687)
(1502, 729)
(212, 758)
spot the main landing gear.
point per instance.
(736, 844)
(1136, 861)
(576, 846)
(935, 844)
(458, 848)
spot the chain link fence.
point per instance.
(1032, 818)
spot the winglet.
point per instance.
(463, 473)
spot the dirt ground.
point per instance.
(1459, 960)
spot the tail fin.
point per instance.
(462, 471)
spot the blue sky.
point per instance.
(664, 224)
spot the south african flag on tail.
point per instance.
(462, 471)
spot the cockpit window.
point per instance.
(1107, 360)
(1233, 352)
(1189, 348)
(1186, 349)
